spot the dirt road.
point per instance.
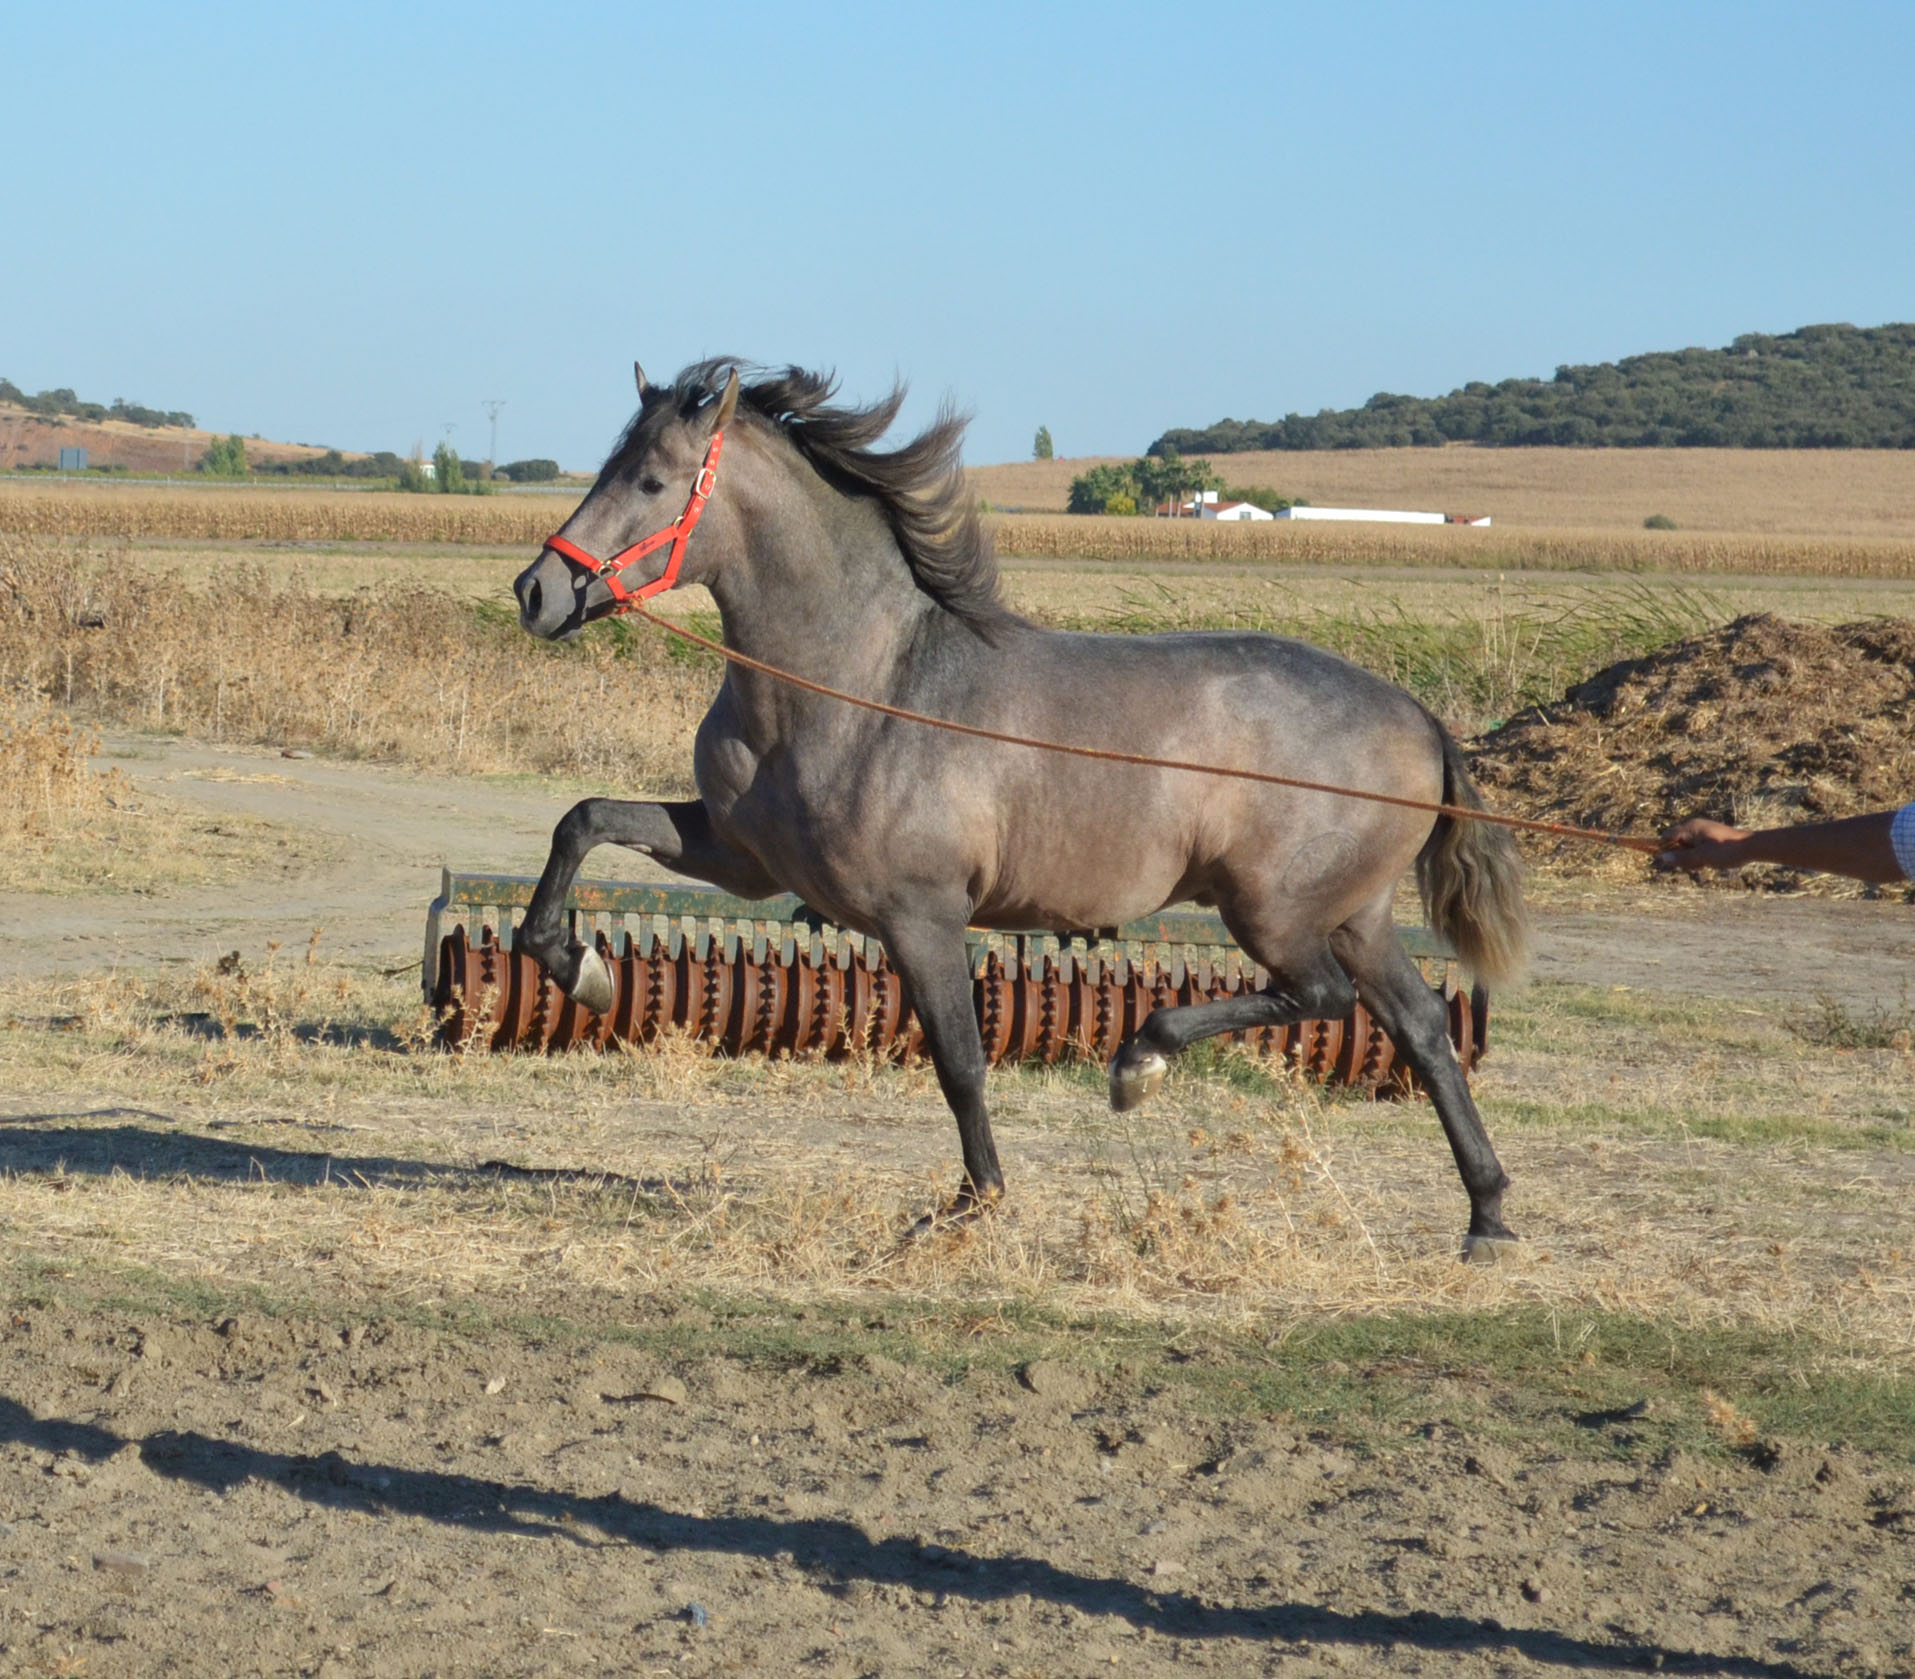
(392, 829)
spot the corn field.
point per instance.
(273, 515)
(1064, 536)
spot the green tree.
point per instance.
(1093, 491)
(531, 472)
(225, 458)
(448, 474)
(1041, 450)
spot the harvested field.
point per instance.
(1856, 548)
(1173, 542)
(1838, 493)
(1760, 722)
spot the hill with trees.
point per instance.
(1821, 387)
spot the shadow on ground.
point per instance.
(163, 1148)
(839, 1552)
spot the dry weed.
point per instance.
(1735, 1428)
(47, 781)
(405, 673)
(276, 1122)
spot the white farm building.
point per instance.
(1381, 516)
(1237, 511)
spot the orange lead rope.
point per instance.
(1462, 813)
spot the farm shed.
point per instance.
(1237, 511)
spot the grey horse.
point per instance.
(868, 570)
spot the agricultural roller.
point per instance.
(772, 977)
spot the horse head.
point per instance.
(630, 536)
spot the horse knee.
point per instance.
(576, 828)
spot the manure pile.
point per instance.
(1759, 723)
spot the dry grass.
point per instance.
(1174, 542)
(277, 1124)
(47, 782)
(1822, 493)
(402, 673)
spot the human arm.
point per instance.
(1876, 847)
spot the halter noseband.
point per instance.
(677, 533)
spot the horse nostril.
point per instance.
(530, 599)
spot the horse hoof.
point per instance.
(965, 1207)
(1481, 1249)
(1135, 1077)
(593, 987)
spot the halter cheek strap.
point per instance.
(678, 533)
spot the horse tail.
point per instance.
(1472, 880)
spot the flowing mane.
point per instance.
(920, 485)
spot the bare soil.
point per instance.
(32, 440)
(307, 1496)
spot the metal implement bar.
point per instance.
(1175, 929)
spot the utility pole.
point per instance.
(492, 405)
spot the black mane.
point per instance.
(920, 486)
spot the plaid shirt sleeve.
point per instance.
(1901, 835)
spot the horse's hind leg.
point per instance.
(1413, 1014)
(1306, 985)
(678, 835)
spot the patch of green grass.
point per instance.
(1473, 667)
(1524, 1375)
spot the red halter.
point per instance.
(677, 533)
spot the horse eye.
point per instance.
(650, 485)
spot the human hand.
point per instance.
(1699, 843)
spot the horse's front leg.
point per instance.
(678, 835)
(931, 958)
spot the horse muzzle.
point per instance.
(551, 594)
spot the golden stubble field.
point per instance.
(1852, 493)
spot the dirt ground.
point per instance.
(273, 1496)
(395, 1476)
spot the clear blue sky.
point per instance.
(349, 224)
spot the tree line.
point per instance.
(63, 404)
(1142, 486)
(1820, 387)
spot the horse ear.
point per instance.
(727, 403)
(638, 373)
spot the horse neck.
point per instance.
(814, 581)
